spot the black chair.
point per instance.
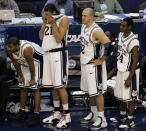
(143, 79)
(27, 8)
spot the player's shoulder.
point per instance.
(65, 18)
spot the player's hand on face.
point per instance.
(21, 79)
(96, 62)
(32, 82)
(127, 83)
(50, 19)
(44, 17)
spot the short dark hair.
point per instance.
(51, 8)
(13, 40)
(129, 21)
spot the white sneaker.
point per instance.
(99, 123)
(53, 118)
(89, 118)
(64, 122)
(144, 104)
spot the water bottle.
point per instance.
(141, 14)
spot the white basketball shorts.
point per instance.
(55, 69)
(127, 94)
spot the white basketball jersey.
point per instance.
(88, 50)
(19, 56)
(125, 45)
(49, 41)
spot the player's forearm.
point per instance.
(18, 69)
(134, 65)
(104, 57)
(41, 32)
(56, 33)
(112, 73)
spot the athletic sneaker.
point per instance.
(35, 120)
(21, 115)
(89, 118)
(99, 123)
(129, 123)
(120, 118)
(144, 104)
(53, 118)
(64, 122)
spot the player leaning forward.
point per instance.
(91, 37)
(27, 59)
(53, 33)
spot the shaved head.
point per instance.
(90, 11)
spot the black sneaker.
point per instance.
(35, 120)
(120, 118)
(3, 117)
(129, 123)
(21, 115)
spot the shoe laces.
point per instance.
(63, 117)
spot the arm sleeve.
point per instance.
(118, 8)
(15, 7)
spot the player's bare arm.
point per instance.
(100, 36)
(18, 68)
(112, 73)
(41, 32)
(134, 65)
(103, 39)
(28, 54)
(60, 32)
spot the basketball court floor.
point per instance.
(140, 121)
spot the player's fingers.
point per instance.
(92, 61)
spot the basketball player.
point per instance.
(91, 64)
(127, 82)
(53, 33)
(27, 58)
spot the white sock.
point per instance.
(101, 114)
(130, 117)
(56, 103)
(123, 112)
(65, 106)
(94, 110)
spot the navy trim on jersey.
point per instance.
(99, 71)
(130, 36)
(89, 28)
(58, 17)
(64, 55)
